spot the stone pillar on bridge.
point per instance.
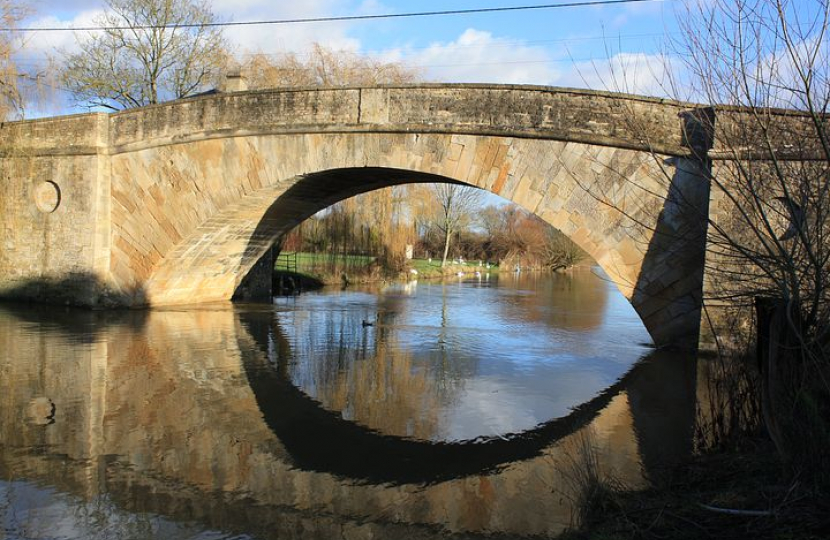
(669, 293)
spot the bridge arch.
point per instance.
(209, 263)
(174, 203)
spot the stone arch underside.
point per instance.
(190, 219)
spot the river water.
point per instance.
(465, 408)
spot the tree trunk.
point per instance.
(767, 352)
(446, 249)
(778, 351)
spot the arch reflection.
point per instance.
(158, 417)
(319, 439)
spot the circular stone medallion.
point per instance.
(47, 197)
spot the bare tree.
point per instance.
(10, 96)
(149, 51)
(517, 236)
(761, 69)
(323, 66)
(456, 205)
(18, 87)
(768, 62)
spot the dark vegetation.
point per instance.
(762, 466)
(736, 485)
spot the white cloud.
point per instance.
(39, 45)
(632, 73)
(637, 10)
(489, 407)
(283, 38)
(478, 56)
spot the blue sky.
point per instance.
(559, 47)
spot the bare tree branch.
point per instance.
(133, 66)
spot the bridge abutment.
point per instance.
(257, 285)
(55, 206)
(669, 291)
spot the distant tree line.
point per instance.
(368, 225)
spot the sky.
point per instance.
(581, 47)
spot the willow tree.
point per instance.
(11, 94)
(146, 51)
(376, 216)
(322, 66)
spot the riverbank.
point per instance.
(734, 485)
(287, 282)
(306, 279)
(723, 495)
(431, 269)
(309, 271)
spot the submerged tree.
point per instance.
(147, 52)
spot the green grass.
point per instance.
(307, 261)
(325, 267)
(423, 265)
(318, 265)
(427, 268)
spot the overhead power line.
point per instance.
(335, 19)
(501, 43)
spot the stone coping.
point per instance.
(596, 117)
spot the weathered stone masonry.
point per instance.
(175, 203)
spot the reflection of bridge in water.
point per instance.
(181, 414)
(360, 453)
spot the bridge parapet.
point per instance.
(565, 114)
(600, 118)
(78, 134)
(789, 135)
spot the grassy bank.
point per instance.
(430, 269)
(337, 269)
(720, 495)
(328, 269)
(320, 260)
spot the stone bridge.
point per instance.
(176, 203)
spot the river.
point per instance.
(470, 407)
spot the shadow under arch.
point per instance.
(320, 440)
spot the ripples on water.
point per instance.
(456, 407)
